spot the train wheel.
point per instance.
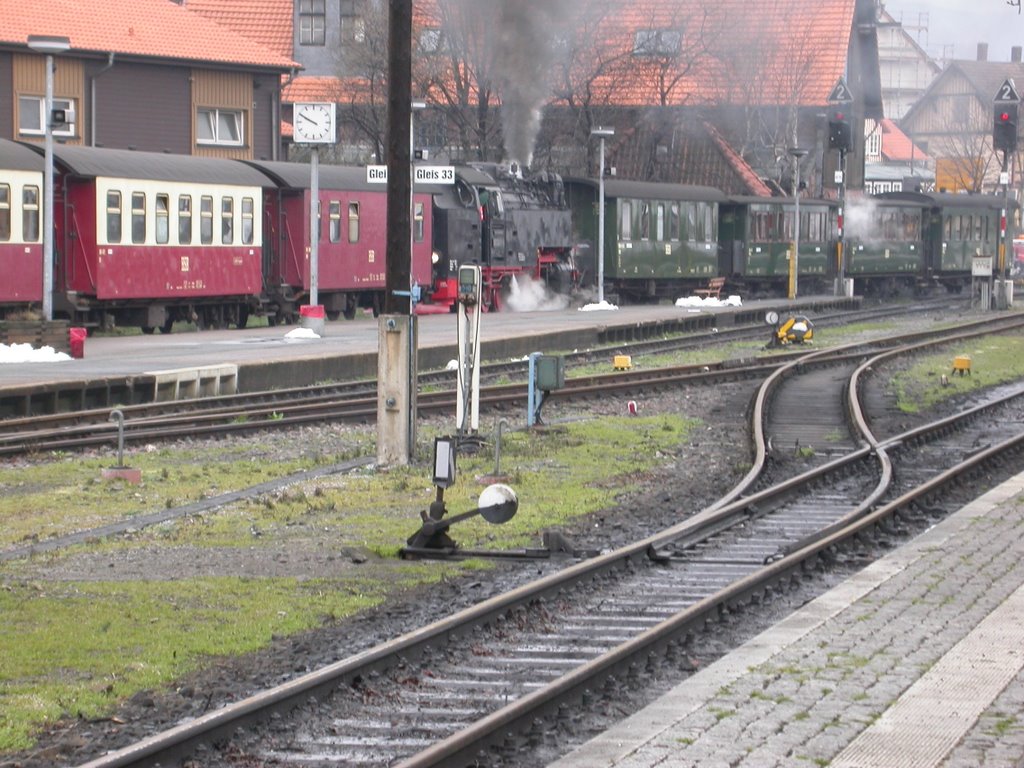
(147, 329)
(168, 324)
(243, 317)
(350, 308)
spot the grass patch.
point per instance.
(73, 648)
(69, 494)
(995, 360)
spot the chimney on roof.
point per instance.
(982, 51)
(1015, 54)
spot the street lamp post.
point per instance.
(415, 106)
(49, 45)
(602, 133)
(796, 153)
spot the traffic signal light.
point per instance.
(1004, 128)
(840, 132)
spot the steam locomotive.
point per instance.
(147, 239)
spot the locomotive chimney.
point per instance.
(982, 51)
(515, 169)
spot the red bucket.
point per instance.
(76, 338)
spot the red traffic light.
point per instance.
(1004, 116)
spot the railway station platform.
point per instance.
(916, 661)
(124, 370)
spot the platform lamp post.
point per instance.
(796, 153)
(602, 133)
(49, 45)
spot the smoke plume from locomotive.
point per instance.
(526, 34)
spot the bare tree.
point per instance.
(363, 62)
(767, 75)
(453, 66)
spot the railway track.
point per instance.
(487, 685)
(358, 401)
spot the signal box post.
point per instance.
(840, 137)
(1004, 139)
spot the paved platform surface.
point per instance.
(914, 662)
(133, 369)
(123, 355)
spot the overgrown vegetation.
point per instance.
(76, 648)
(930, 379)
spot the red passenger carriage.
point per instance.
(146, 239)
(21, 244)
(352, 243)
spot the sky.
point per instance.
(955, 27)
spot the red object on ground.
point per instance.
(76, 337)
(312, 310)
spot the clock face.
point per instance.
(314, 123)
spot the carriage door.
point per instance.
(492, 225)
(932, 239)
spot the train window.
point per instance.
(691, 222)
(206, 219)
(673, 221)
(184, 219)
(227, 220)
(645, 221)
(626, 223)
(353, 222)
(163, 218)
(334, 219)
(912, 226)
(30, 213)
(703, 222)
(5, 212)
(417, 223)
(659, 222)
(138, 217)
(113, 217)
(248, 220)
(948, 228)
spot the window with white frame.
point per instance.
(312, 22)
(219, 126)
(873, 144)
(31, 111)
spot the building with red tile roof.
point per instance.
(760, 73)
(893, 161)
(149, 74)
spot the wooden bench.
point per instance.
(712, 290)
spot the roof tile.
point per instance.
(267, 22)
(149, 28)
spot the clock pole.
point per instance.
(314, 225)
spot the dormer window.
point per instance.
(657, 42)
(432, 40)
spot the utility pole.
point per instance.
(397, 329)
